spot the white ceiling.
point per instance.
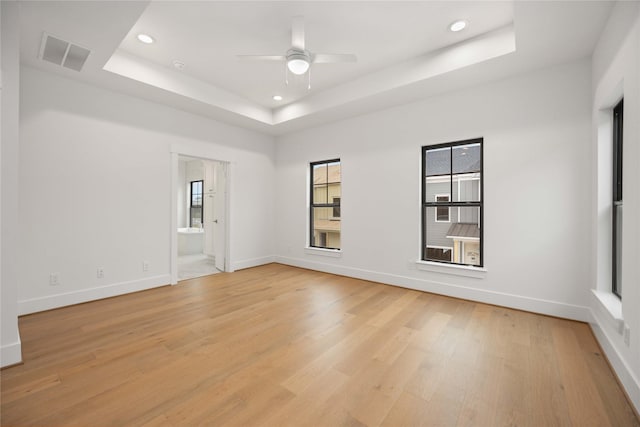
(404, 49)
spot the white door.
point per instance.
(209, 190)
(209, 217)
(219, 221)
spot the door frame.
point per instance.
(176, 152)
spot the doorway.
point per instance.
(200, 195)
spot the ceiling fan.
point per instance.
(298, 60)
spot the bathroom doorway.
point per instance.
(201, 206)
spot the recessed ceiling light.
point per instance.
(145, 38)
(277, 98)
(457, 26)
(179, 65)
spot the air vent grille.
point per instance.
(63, 53)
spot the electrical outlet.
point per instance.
(100, 272)
(54, 279)
(627, 334)
(145, 265)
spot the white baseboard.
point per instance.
(630, 383)
(11, 354)
(35, 305)
(253, 262)
(535, 305)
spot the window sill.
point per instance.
(612, 306)
(458, 270)
(334, 253)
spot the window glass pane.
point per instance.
(196, 193)
(618, 117)
(617, 286)
(436, 185)
(320, 194)
(333, 190)
(466, 187)
(468, 215)
(466, 158)
(196, 217)
(442, 213)
(439, 254)
(324, 222)
(336, 209)
(462, 234)
(438, 161)
(436, 232)
(319, 176)
(466, 173)
(333, 172)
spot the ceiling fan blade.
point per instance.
(261, 57)
(323, 58)
(297, 32)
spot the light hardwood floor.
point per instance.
(277, 345)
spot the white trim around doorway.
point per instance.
(177, 151)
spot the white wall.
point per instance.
(10, 346)
(95, 189)
(536, 131)
(616, 72)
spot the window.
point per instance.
(195, 206)
(442, 213)
(452, 208)
(325, 195)
(616, 246)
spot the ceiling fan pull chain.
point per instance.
(309, 79)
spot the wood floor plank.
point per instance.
(583, 400)
(282, 346)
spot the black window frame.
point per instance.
(618, 122)
(451, 204)
(313, 204)
(191, 204)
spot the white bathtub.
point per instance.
(190, 241)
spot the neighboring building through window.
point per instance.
(452, 205)
(442, 213)
(616, 246)
(195, 205)
(325, 198)
(336, 207)
(440, 254)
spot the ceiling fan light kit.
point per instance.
(298, 62)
